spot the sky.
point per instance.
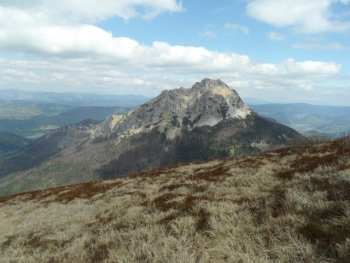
(268, 50)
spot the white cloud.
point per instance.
(237, 28)
(81, 41)
(300, 69)
(27, 35)
(94, 10)
(74, 54)
(208, 33)
(310, 16)
(275, 36)
(90, 74)
(321, 46)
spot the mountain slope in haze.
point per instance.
(305, 118)
(43, 148)
(75, 99)
(10, 142)
(40, 125)
(23, 110)
(207, 121)
(287, 205)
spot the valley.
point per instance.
(309, 119)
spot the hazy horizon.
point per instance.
(247, 100)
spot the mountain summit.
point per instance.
(182, 125)
(207, 103)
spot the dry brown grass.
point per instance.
(289, 205)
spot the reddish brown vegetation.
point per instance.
(278, 201)
(203, 220)
(147, 174)
(133, 193)
(36, 241)
(242, 200)
(164, 203)
(273, 204)
(325, 237)
(284, 173)
(284, 152)
(169, 218)
(66, 194)
(187, 207)
(105, 219)
(97, 253)
(332, 211)
(251, 162)
(173, 187)
(190, 201)
(9, 241)
(199, 188)
(211, 175)
(337, 190)
(307, 164)
(312, 157)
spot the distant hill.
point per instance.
(287, 205)
(40, 125)
(33, 114)
(75, 99)
(305, 118)
(22, 110)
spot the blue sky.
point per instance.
(202, 23)
(268, 50)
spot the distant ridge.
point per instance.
(72, 98)
(333, 121)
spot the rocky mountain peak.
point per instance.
(207, 84)
(207, 103)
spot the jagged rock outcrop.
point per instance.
(206, 104)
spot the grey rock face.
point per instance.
(206, 104)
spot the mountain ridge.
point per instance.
(204, 122)
(196, 106)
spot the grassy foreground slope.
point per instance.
(288, 205)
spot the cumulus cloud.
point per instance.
(89, 74)
(208, 33)
(310, 16)
(74, 53)
(321, 46)
(27, 35)
(237, 28)
(275, 36)
(82, 41)
(300, 69)
(94, 10)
